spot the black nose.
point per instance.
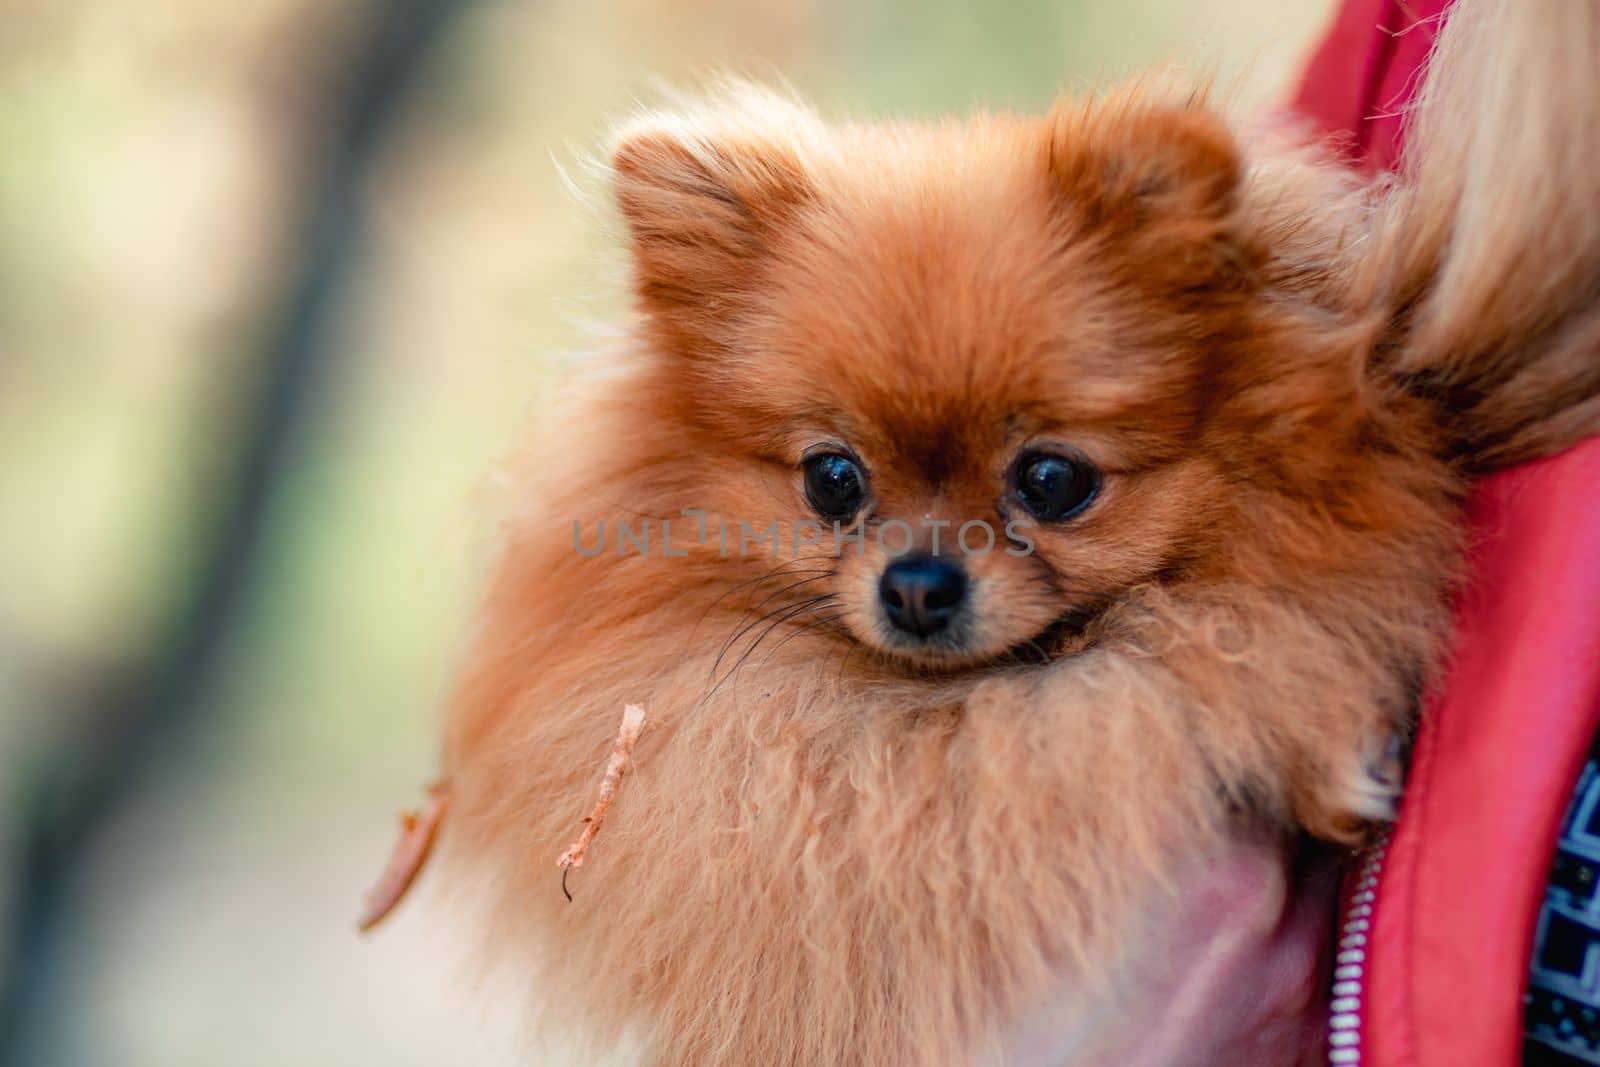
(921, 594)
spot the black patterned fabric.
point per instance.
(1561, 1010)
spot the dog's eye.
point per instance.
(1054, 488)
(835, 485)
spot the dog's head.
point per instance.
(984, 358)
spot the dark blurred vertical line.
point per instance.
(68, 800)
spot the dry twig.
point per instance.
(616, 767)
(417, 833)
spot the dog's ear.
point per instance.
(1163, 177)
(703, 202)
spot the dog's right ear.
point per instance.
(703, 201)
(1159, 180)
(1125, 162)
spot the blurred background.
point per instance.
(279, 280)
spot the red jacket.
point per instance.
(1436, 951)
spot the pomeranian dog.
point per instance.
(988, 512)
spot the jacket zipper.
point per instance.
(1350, 959)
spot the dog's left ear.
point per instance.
(703, 202)
(1161, 174)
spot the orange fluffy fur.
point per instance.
(829, 852)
